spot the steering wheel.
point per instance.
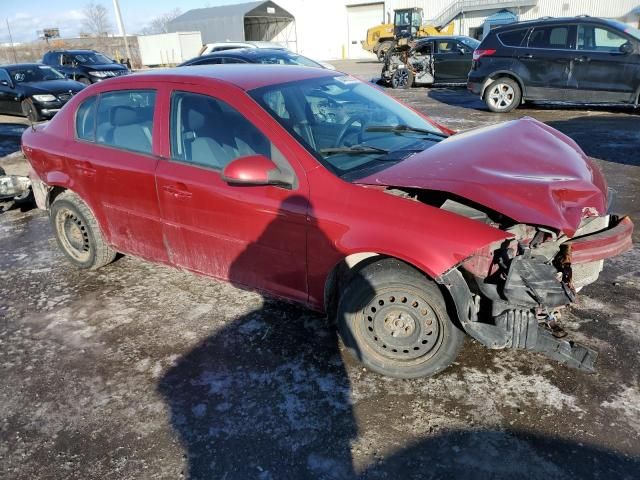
(345, 128)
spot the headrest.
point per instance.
(198, 110)
(123, 115)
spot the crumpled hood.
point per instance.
(523, 169)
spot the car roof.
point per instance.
(244, 76)
(442, 37)
(249, 44)
(555, 21)
(249, 52)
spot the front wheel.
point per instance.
(394, 320)
(503, 95)
(29, 110)
(402, 78)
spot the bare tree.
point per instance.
(96, 21)
(160, 24)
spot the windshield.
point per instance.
(287, 59)
(346, 124)
(472, 43)
(34, 73)
(92, 59)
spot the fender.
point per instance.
(504, 73)
(354, 219)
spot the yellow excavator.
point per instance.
(407, 23)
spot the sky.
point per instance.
(26, 17)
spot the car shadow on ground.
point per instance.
(269, 397)
(461, 97)
(266, 397)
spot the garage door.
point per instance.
(360, 18)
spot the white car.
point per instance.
(220, 46)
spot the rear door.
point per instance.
(254, 236)
(546, 61)
(602, 72)
(114, 160)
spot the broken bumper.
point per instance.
(607, 243)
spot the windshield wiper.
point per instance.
(354, 150)
(403, 128)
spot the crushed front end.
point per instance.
(511, 295)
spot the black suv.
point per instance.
(577, 60)
(86, 66)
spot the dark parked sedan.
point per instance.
(35, 91)
(270, 56)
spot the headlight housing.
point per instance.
(103, 74)
(44, 98)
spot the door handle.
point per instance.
(583, 59)
(178, 190)
(526, 56)
(85, 168)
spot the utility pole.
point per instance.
(116, 7)
(13, 47)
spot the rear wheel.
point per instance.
(503, 95)
(402, 78)
(78, 233)
(394, 320)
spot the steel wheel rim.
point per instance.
(502, 95)
(73, 234)
(399, 324)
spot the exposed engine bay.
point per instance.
(408, 64)
(511, 294)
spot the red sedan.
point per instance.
(313, 186)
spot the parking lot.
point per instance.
(143, 371)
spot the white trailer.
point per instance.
(168, 48)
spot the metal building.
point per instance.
(330, 29)
(257, 21)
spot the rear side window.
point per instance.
(552, 37)
(86, 119)
(599, 39)
(513, 38)
(208, 132)
(124, 119)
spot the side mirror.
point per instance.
(255, 170)
(626, 48)
(4, 83)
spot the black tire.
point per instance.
(394, 320)
(78, 233)
(84, 80)
(503, 95)
(29, 110)
(402, 78)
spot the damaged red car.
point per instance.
(312, 186)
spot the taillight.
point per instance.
(478, 54)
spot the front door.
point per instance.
(547, 60)
(602, 71)
(254, 236)
(8, 101)
(452, 61)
